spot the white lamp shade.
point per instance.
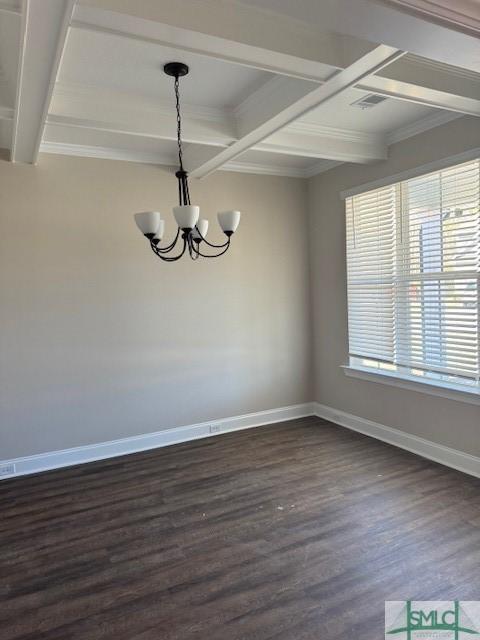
(202, 226)
(160, 230)
(148, 222)
(186, 216)
(229, 220)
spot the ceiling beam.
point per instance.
(296, 140)
(366, 65)
(428, 82)
(158, 158)
(109, 153)
(320, 142)
(420, 95)
(160, 128)
(44, 30)
(435, 75)
(205, 44)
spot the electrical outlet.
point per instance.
(7, 470)
(215, 428)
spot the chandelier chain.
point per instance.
(179, 124)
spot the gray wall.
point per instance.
(447, 422)
(100, 340)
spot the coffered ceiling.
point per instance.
(274, 87)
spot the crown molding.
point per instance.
(402, 133)
(6, 113)
(325, 131)
(320, 167)
(143, 157)
(107, 153)
(422, 125)
(275, 170)
(436, 119)
(461, 13)
(419, 61)
(263, 169)
(81, 93)
(13, 7)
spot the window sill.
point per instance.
(432, 387)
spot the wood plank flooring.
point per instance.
(297, 531)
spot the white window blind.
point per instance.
(413, 267)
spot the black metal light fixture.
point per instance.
(192, 230)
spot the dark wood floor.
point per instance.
(298, 531)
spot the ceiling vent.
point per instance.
(367, 102)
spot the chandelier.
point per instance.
(192, 230)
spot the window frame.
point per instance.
(429, 385)
(426, 386)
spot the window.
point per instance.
(413, 267)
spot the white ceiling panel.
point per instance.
(136, 67)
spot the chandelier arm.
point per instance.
(216, 255)
(196, 249)
(193, 248)
(170, 246)
(210, 244)
(173, 258)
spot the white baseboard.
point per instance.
(90, 453)
(425, 448)
(134, 444)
